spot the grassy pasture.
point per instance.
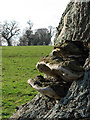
(18, 65)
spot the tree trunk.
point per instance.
(74, 26)
(9, 43)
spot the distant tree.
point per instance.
(35, 39)
(43, 37)
(23, 40)
(26, 38)
(0, 35)
(29, 32)
(30, 24)
(10, 30)
(52, 32)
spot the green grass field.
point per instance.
(18, 65)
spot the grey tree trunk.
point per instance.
(74, 26)
(9, 43)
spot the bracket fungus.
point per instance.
(49, 87)
(63, 66)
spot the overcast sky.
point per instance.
(42, 13)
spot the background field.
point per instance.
(18, 65)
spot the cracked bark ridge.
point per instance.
(75, 23)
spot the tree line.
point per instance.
(10, 30)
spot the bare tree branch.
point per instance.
(10, 30)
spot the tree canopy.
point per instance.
(10, 30)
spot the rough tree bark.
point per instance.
(74, 25)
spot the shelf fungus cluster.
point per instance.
(63, 66)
